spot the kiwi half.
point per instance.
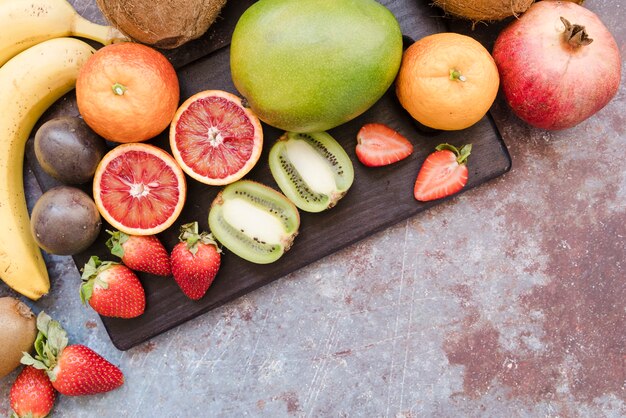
(311, 169)
(254, 221)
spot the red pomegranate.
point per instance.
(558, 64)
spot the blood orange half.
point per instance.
(214, 138)
(139, 189)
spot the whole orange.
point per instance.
(447, 81)
(127, 92)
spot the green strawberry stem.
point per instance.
(190, 235)
(91, 277)
(461, 155)
(116, 241)
(49, 344)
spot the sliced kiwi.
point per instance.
(254, 221)
(311, 169)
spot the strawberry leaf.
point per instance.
(57, 338)
(208, 239)
(48, 354)
(192, 244)
(190, 235)
(188, 229)
(50, 342)
(43, 320)
(40, 342)
(86, 290)
(91, 267)
(28, 360)
(116, 242)
(465, 152)
(449, 147)
(461, 155)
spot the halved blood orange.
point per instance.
(214, 138)
(139, 189)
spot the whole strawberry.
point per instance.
(82, 371)
(140, 253)
(112, 289)
(73, 369)
(195, 261)
(32, 394)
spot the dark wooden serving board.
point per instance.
(380, 197)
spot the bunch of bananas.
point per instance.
(39, 64)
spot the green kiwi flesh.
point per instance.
(311, 169)
(254, 221)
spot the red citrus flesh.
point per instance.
(214, 138)
(139, 189)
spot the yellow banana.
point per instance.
(30, 82)
(25, 23)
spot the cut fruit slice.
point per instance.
(139, 189)
(254, 221)
(379, 145)
(214, 138)
(313, 170)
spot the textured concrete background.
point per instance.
(506, 301)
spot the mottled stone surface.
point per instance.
(507, 301)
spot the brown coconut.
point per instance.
(483, 10)
(162, 24)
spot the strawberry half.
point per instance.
(73, 369)
(140, 253)
(379, 145)
(443, 173)
(195, 261)
(112, 289)
(32, 394)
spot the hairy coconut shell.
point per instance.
(483, 10)
(162, 24)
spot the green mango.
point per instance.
(311, 65)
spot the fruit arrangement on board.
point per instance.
(301, 78)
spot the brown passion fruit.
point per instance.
(68, 150)
(65, 221)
